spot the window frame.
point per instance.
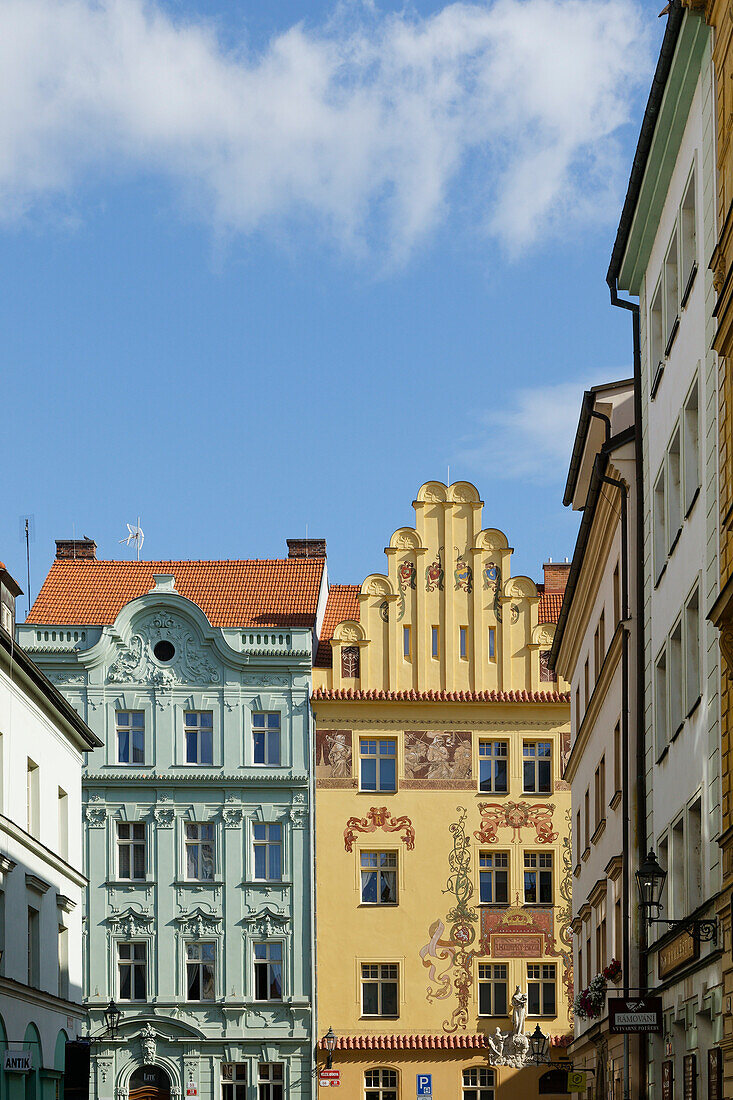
(267, 844)
(478, 1090)
(542, 980)
(274, 1086)
(266, 730)
(542, 873)
(129, 844)
(198, 728)
(132, 942)
(493, 759)
(380, 870)
(200, 964)
(490, 982)
(537, 760)
(381, 981)
(267, 962)
(199, 843)
(489, 872)
(130, 729)
(377, 756)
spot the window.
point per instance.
(616, 597)
(435, 642)
(663, 863)
(674, 490)
(130, 736)
(493, 759)
(492, 989)
(270, 1078)
(34, 947)
(688, 242)
(677, 870)
(32, 801)
(617, 757)
(199, 725)
(601, 957)
(478, 1083)
(586, 682)
(131, 970)
(379, 989)
(692, 651)
(588, 960)
(660, 697)
(234, 1081)
(537, 767)
(463, 642)
(201, 971)
(379, 878)
(63, 959)
(577, 708)
(131, 850)
(492, 643)
(378, 764)
(671, 319)
(597, 652)
(199, 843)
(618, 930)
(541, 989)
(350, 667)
(691, 447)
(601, 641)
(660, 526)
(493, 878)
(656, 339)
(380, 1084)
(266, 737)
(600, 792)
(676, 683)
(586, 807)
(406, 642)
(578, 839)
(268, 971)
(538, 878)
(694, 863)
(63, 816)
(268, 849)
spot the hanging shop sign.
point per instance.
(678, 952)
(635, 1014)
(715, 1074)
(689, 1076)
(18, 1061)
(667, 1080)
(577, 1081)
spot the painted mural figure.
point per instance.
(339, 756)
(434, 574)
(462, 760)
(439, 760)
(415, 753)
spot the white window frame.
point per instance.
(381, 981)
(275, 941)
(131, 730)
(130, 843)
(132, 941)
(200, 942)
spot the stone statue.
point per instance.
(511, 1048)
(519, 1011)
(147, 1042)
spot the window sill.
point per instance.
(677, 732)
(694, 706)
(496, 794)
(689, 285)
(662, 754)
(692, 503)
(539, 905)
(660, 574)
(672, 336)
(197, 882)
(494, 904)
(380, 1017)
(378, 905)
(600, 829)
(130, 882)
(373, 793)
(537, 794)
(266, 882)
(585, 854)
(674, 541)
(576, 870)
(616, 799)
(657, 379)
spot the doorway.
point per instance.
(150, 1083)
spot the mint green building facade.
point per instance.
(198, 836)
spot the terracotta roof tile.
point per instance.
(343, 603)
(549, 607)
(267, 592)
(411, 696)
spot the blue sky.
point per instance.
(270, 266)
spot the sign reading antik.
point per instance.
(635, 1014)
(18, 1061)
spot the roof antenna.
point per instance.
(449, 476)
(136, 535)
(28, 532)
(306, 540)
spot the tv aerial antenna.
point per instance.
(136, 535)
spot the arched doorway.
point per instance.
(150, 1083)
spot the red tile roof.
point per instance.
(411, 696)
(549, 607)
(267, 592)
(343, 603)
(421, 1042)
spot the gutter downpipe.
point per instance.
(641, 800)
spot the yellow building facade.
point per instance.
(443, 864)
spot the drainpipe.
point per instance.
(641, 833)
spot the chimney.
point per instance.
(556, 575)
(80, 549)
(306, 548)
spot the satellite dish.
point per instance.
(135, 535)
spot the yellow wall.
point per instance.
(438, 933)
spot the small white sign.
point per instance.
(18, 1061)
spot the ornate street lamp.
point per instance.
(329, 1040)
(112, 1017)
(650, 880)
(539, 1045)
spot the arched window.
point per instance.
(350, 662)
(380, 1084)
(478, 1083)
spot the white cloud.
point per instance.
(531, 438)
(363, 126)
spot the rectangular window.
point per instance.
(617, 757)
(33, 798)
(63, 958)
(586, 682)
(478, 1084)
(233, 1081)
(266, 737)
(588, 960)
(435, 642)
(691, 447)
(379, 983)
(600, 792)
(674, 490)
(660, 699)
(199, 726)
(492, 989)
(268, 851)
(63, 816)
(656, 339)
(378, 878)
(270, 1081)
(201, 971)
(616, 597)
(688, 242)
(130, 729)
(676, 683)
(492, 643)
(406, 642)
(538, 878)
(694, 863)
(660, 525)
(463, 642)
(199, 841)
(34, 947)
(131, 850)
(677, 871)
(493, 762)
(671, 294)
(664, 864)
(692, 651)
(596, 653)
(268, 971)
(586, 807)
(578, 839)
(132, 971)
(541, 989)
(493, 878)
(618, 930)
(601, 641)
(378, 764)
(537, 767)
(577, 708)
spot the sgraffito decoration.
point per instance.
(517, 932)
(438, 761)
(406, 578)
(435, 574)
(463, 573)
(384, 611)
(547, 674)
(333, 758)
(516, 816)
(379, 817)
(565, 913)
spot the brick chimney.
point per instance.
(80, 549)
(556, 575)
(306, 548)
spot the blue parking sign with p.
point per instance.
(424, 1084)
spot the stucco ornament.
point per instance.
(232, 816)
(164, 816)
(96, 811)
(130, 922)
(268, 922)
(137, 664)
(511, 1048)
(148, 1038)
